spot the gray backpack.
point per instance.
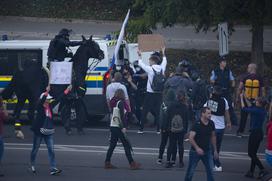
(176, 124)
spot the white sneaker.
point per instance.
(140, 132)
(217, 169)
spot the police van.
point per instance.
(13, 52)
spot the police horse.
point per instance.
(28, 87)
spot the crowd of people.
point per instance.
(184, 106)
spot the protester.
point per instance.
(220, 114)
(222, 76)
(118, 130)
(202, 136)
(253, 86)
(257, 118)
(153, 98)
(43, 129)
(57, 50)
(3, 117)
(140, 79)
(177, 123)
(115, 85)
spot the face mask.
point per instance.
(118, 68)
(137, 69)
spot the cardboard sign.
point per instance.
(61, 72)
(150, 42)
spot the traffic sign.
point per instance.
(223, 39)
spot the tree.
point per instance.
(206, 14)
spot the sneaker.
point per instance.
(158, 132)
(55, 171)
(108, 165)
(262, 173)
(181, 164)
(135, 166)
(159, 161)
(168, 165)
(239, 135)
(173, 163)
(140, 131)
(249, 174)
(32, 169)
(217, 169)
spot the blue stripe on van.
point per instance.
(101, 69)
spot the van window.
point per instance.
(11, 60)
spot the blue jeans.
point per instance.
(50, 147)
(193, 161)
(219, 137)
(1, 148)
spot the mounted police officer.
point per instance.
(57, 50)
(222, 76)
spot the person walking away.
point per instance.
(257, 118)
(220, 115)
(115, 85)
(177, 120)
(118, 130)
(42, 128)
(222, 76)
(3, 117)
(155, 72)
(252, 85)
(201, 137)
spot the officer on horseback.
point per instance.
(57, 50)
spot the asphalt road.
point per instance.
(179, 36)
(82, 158)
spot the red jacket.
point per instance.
(269, 135)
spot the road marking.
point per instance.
(119, 150)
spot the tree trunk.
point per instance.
(257, 47)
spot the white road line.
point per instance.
(119, 150)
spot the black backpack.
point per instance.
(158, 81)
(176, 124)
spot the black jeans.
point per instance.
(164, 140)
(243, 121)
(116, 133)
(152, 103)
(175, 141)
(255, 138)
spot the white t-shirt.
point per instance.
(112, 87)
(219, 121)
(150, 73)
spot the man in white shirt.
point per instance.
(220, 113)
(115, 85)
(153, 99)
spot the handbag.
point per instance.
(47, 128)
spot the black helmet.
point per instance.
(184, 63)
(65, 32)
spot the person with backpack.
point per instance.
(253, 86)
(43, 129)
(222, 76)
(155, 83)
(177, 124)
(258, 115)
(118, 126)
(57, 50)
(220, 115)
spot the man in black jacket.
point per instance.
(57, 50)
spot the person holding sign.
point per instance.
(156, 79)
